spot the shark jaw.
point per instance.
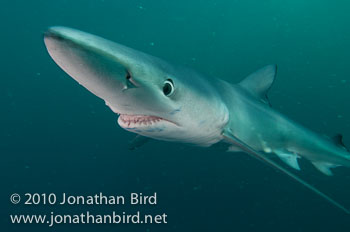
(144, 122)
(151, 126)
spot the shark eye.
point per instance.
(168, 87)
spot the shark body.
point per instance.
(157, 100)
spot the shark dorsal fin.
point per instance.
(338, 140)
(259, 82)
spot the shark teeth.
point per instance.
(139, 120)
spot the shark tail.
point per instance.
(339, 150)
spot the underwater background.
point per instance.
(55, 136)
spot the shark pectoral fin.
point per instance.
(289, 158)
(137, 142)
(230, 138)
(324, 167)
(259, 82)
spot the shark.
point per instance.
(158, 100)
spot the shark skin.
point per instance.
(161, 101)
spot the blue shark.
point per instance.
(157, 100)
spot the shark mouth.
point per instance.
(139, 120)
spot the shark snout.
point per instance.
(116, 73)
(101, 66)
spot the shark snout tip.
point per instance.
(52, 32)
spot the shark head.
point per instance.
(152, 97)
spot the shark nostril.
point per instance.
(128, 75)
(129, 82)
